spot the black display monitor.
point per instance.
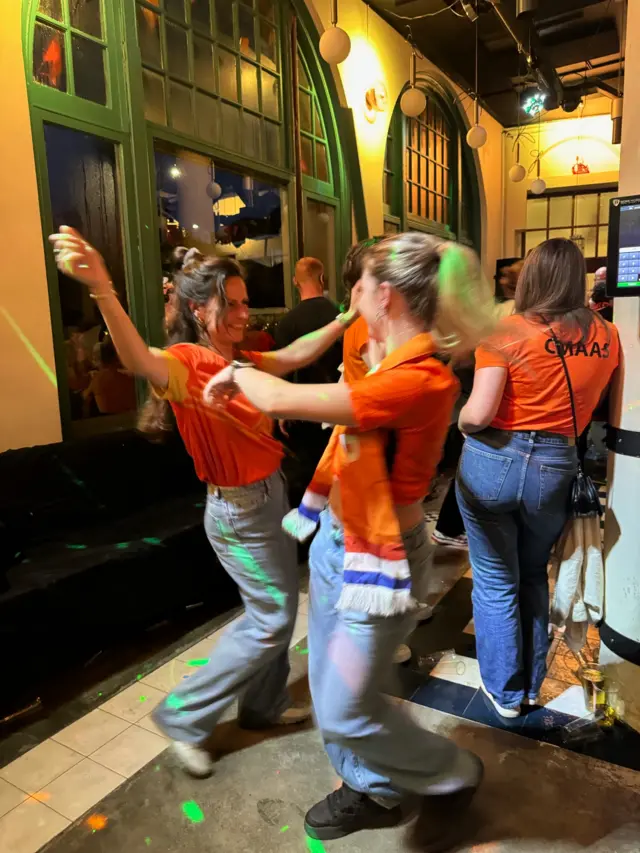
(623, 255)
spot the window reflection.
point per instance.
(222, 212)
(83, 187)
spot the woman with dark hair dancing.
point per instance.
(418, 293)
(235, 455)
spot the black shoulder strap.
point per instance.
(560, 351)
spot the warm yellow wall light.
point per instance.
(361, 71)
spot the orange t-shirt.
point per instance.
(536, 396)
(231, 446)
(354, 343)
(412, 394)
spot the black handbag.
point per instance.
(584, 500)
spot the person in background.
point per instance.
(417, 292)
(307, 441)
(508, 282)
(519, 462)
(599, 301)
(236, 456)
(112, 388)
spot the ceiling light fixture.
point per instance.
(335, 44)
(534, 104)
(413, 101)
(477, 135)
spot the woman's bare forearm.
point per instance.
(306, 349)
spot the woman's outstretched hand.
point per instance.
(78, 259)
(220, 388)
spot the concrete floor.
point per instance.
(536, 798)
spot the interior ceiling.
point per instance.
(575, 48)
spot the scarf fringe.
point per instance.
(375, 600)
(298, 526)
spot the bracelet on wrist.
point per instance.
(102, 294)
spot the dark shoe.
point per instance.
(443, 821)
(345, 811)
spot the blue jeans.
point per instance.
(373, 744)
(251, 660)
(513, 492)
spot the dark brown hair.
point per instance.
(552, 286)
(198, 280)
(354, 261)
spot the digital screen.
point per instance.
(629, 246)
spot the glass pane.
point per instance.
(230, 121)
(149, 36)
(605, 198)
(154, 107)
(201, 15)
(391, 227)
(227, 75)
(52, 8)
(560, 208)
(175, 8)
(586, 209)
(249, 85)
(84, 15)
(533, 239)
(537, 212)
(272, 148)
(177, 51)
(585, 238)
(322, 167)
(305, 112)
(306, 156)
(268, 46)
(432, 206)
(244, 222)
(83, 187)
(181, 112)
(207, 117)
(48, 57)
(203, 63)
(266, 8)
(603, 241)
(88, 70)
(224, 13)
(246, 32)
(251, 136)
(303, 80)
(320, 239)
(317, 121)
(270, 95)
(413, 199)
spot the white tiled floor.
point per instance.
(59, 780)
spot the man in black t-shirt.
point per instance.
(307, 441)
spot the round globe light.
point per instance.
(413, 102)
(517, 173)
(538, 186)
(335, 45)
(214, 190)
(477, 136)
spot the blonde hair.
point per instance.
(443, 286)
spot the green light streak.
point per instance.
(243, 556)
(77, 547)
(42, 364)
(284, 828)
(315, 846)
(198, 662)
(151, 540)
(147, 841)
(193, 812)
(175, 702)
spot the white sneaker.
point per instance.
(193, 759)
(402, 654)
(424, 612)
(507, 713)
(298, 712)
(460, 543)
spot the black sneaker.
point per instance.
(444, 820)
(345, 811)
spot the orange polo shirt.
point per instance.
(536, 396)
(411, 393)
(354, 343)
(231, 446)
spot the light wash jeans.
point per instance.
(371, 741)
(251, 660)
(513, 492)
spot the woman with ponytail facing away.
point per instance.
(235, 454)
(419, 295)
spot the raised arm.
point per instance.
(308, 348)
(78, 259)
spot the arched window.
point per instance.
(430, 179)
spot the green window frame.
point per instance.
(316, 166)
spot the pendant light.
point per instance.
(413, 101)
(477, 135)
(335, 44)
(517, 173)
(539, 185)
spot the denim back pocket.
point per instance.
(482, 474)
(555, 487)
